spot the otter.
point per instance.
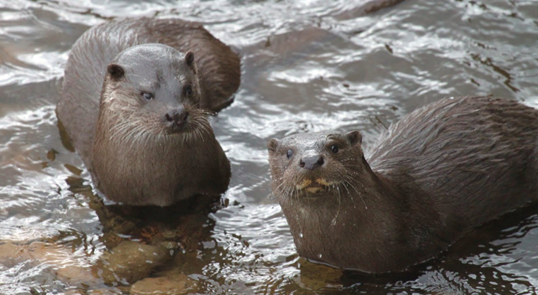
(135, 109)
(439, 172)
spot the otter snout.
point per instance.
(311, 162)
(176, 119)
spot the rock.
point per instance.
(131, 261)
(316, 277)
(172, 284)
(60, 259)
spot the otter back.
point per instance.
(476, 156)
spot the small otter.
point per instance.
(433, 176)
(145, 141)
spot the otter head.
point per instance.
(314, 164)
(150, 89)
(339, 211)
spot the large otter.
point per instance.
(436, 174)
(136, 111)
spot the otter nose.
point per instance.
(177, 117)
(311, 162)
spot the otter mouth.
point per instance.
(177, 128)
(314, 186)
(187, 122)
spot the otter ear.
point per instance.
(116, 71)
(189, 60)
(354, 138)
(272, 144)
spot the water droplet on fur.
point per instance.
(301, 235)
(319, 256)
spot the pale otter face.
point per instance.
(152, 89)
(314, 163)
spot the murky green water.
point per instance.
(307, 65)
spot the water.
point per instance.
(307, 65)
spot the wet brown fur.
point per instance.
(436, 174)
(139, 163)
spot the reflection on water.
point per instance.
(308, 65)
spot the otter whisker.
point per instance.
(339, 198)
(357, 191)
(204, 126)
(119, 129)
(278, 188)
(344, 185)
(209, 113)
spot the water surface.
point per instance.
(307, 65)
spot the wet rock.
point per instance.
(61, 260)
(11, 251)
(131, 261)
(315, 277)
(172, 284)
(117, 291)
(74, 292)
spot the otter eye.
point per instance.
(188, 90)
(147, 95)
(289, 153)
(334, 148)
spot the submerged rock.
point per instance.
(172, 284)
(131, 261)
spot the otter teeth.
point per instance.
(313, 190)
(304, 184)
(324, 182)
